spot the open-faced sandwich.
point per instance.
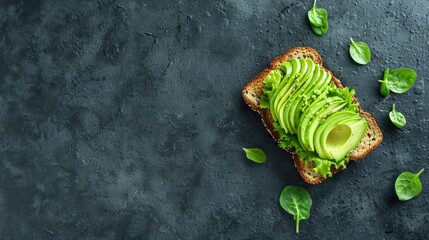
(309, 113)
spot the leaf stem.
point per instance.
(314, 8)
(418, 174)
(297, 226)
(393, 108)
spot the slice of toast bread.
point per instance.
(252, 93)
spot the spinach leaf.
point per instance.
(255, 154)
(408, 185)
(360, 52)
(401, 80)
(297, 202)
(384, 88)
(397, 118)
(318, 18)
(320, 30)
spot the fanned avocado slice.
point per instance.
(312, 94)
(334, 106)
(315, 100)
(325, 148)
(301, 98)
(333, 119)
(309, 95)
(344, 137)
(286, 68)
(295, 67)
(306, 118)
(292, 102)
(298, 82)
(285, 85)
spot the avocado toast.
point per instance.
(310, 114)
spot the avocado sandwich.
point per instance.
(310, 114)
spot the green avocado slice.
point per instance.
(298, 82)
(294, 98)
(336, 105)
(286, 68)
(305, 120)
(295, 67)
(332, 119)
(340, 134)
(313, 117)
(314, 101)
(285, 85)
(310, 94)
(344, 137)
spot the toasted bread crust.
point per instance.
(253, 90)
(302, 51)
(373, 135)
(257, 83)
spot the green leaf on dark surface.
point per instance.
(384, 89)
(318, 18)
(255, 154)
(408, 185)
(297, 202)
(401, 80)
(320, 31)
(397, 118)
(360, 52)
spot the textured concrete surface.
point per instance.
(124, 120)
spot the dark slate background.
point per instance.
(124, 120)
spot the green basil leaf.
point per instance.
(255, 154)
(397, 118)
(297, 202)
(401, 80)
(360, 52)
(408, 185)
(318, 18)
